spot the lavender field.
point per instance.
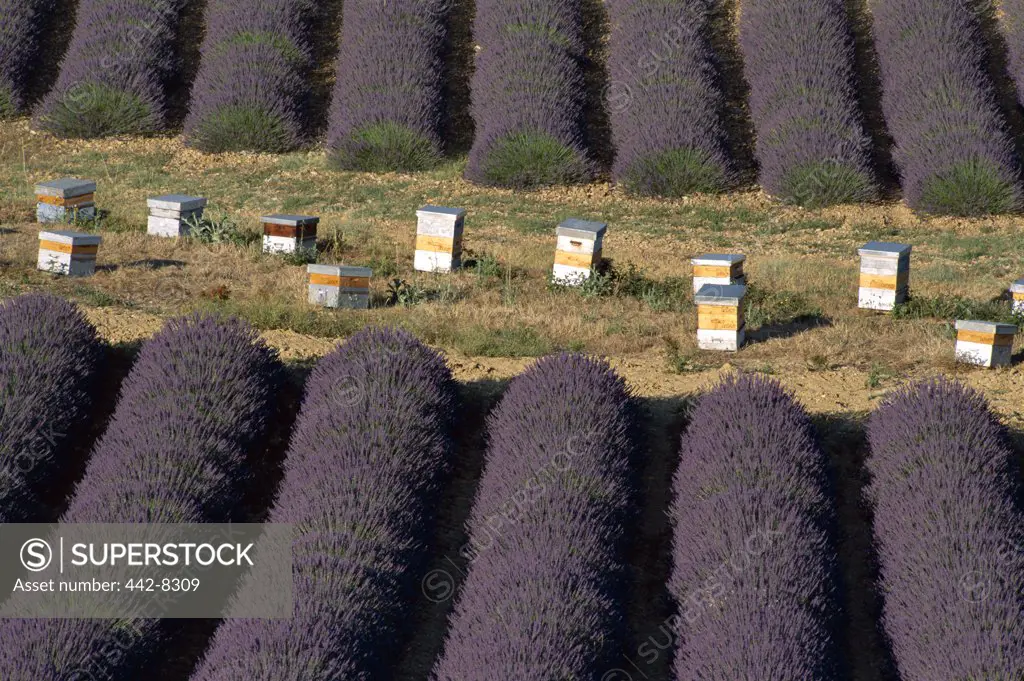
(817, 102)
(555, 526)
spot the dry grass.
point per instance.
(803, 263)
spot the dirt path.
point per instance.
(841, 389)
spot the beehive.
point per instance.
(884, 275)
(339, 286)
(288, 233)
(986, 344)
(720, 323)
(438, 238)
(1017, 293)
(65, 200)
(69, 253)
(718, 268)
(169, 215)
(578, 250)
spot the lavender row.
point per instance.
(21, 26)
(949, 532)
(195, 407)
(113, 77)
(49, 360)
(664, 102)
(528, 94)
(386, 109)
(811, 145)
(370, 454)
(952, 147)
(544, 594)
(755, 569)
(253, 88)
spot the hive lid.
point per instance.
(1017, 286)
(884, 248)
(718, 259)
(64, 236)
(290, 220)
(584, 229)
(720, 294)
(176, 202)
(985, 327)
(442, 210)
(339, 270)
(65, 188)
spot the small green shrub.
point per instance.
(827, 183)
(385, 147)
(241, 128)
(403, 294)
(675, 173)
(217, 230)
(970, 189)
(530, 160)
(955, 307)
(7, 105)
(93, 110)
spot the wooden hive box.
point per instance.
(723, 269)
(720, 323)
(65, 200)
(986, 344)
(1017, 294)
(577, 250)
(439, 238)
(69, 253)
(288, 233)
(884, 275)
(169, 215)
(339, 286)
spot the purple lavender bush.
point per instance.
(952, 147)
(544, 595)
(798, 60)
(664, 102)
(528, 94)
(386, 111)
(112, 78)
(49, 359)
(195, 407)
(21, 25)
(1012, 25)
(755, 570)
(950, 535)
(371, 452)
(252, 91)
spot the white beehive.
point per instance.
(884, 275)
(720, 323)
(578, 250)
(438, 238)
(722, 269)
(289, 233)
(986, 344)
(339, 286)
(169, 215)
(65, 200)
(69, 253)
(1017, 293)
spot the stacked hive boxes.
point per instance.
(720, 323)
(986, 344)
(289, 233)
(884, 275)
(720, 269)
(339, 286)
(65, 200)
(169, 215)
(70, 253)
(578, 250)
(438, 239)
(1017, 293)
